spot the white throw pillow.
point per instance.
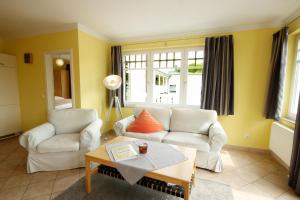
(192, 120)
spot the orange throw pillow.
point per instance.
(145, 123)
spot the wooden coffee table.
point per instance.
(179, 174)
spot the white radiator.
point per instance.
(281, 142)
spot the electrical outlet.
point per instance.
(247, 136)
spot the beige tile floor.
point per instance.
(252, 176)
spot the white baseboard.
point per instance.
(247, 149)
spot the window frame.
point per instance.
(150, 80)
(131, 103)
(291, 115)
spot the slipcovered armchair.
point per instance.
(62, 142)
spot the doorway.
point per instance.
(59, 80)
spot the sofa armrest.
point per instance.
(30, 139)
(90, 136)
(217, 137)
(121, 125)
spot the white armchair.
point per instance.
(62, 142)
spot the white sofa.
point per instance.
(62, 142)
(195, 128)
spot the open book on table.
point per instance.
(123, 152)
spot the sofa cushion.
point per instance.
(160, 114)
(72, 120)
(197, 141)
(60, 143)
(157, 136)
(145, 123)
(193, 121)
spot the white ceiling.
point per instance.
(126, 20)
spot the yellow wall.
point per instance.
(1, 45)
(32, 84)
(161, 44)
(294, 26)
(252, 71)
(90, 62)
(94, 56)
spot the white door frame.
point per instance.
(49, 55)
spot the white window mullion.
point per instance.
(149, 83)
(183, 77)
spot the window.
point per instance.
(295, 84)
(166, 66)
(135, 77)
(172, 77)
(194, 78)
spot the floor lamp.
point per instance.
(112, 83)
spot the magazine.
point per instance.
(124, 152)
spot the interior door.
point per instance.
(9, 96)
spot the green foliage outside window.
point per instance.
(193, 68)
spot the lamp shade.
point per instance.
(59, 62)
(112, 82)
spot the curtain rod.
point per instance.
(161, 41)
(170, 40)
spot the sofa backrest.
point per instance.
(192, 120)
(72, 120)
(159, 113)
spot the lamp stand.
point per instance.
(117, 106)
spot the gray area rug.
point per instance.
(108, 188)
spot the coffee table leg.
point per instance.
(87, 175)
(186, 187)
